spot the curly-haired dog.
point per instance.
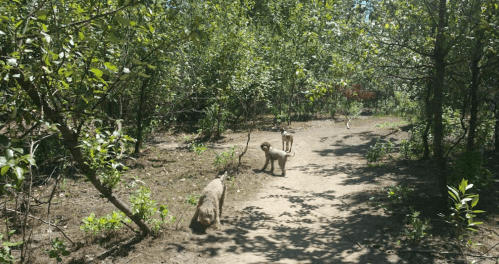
(288, 138)
(272, 154)
(209, 208)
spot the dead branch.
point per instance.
(350, 118)
(245, 149)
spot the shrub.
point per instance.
(378, 151)
(225, 157)
(58, 250)
(462, 215)
(471, 166)
(398, 193)
(418, 227)
(105, 223)
(5, 256)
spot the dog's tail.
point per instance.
(224, 177)
(289, 154)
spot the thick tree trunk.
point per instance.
(439, 57)
(70, 138)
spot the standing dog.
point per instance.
(209, 208)
(272, 154)
(288, 138)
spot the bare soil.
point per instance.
(331, 207)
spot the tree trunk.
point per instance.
(291, 100)
(496, 130)
(439, 57)
(428, 119)
(70, 138)
(140, 113)
(475, 82)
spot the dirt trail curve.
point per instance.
(316, 213)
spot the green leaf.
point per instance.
(42, 14)
(19, 172)
(151, 29)
(111, 66)
(143, 75)
(12, 244)
(453, 193)
(474, 202)
(386, 25)
(4, 170)
(9, 154)
(97, 72)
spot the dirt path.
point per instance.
(316, 213)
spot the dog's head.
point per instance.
(282, 129)
(265, 146)
(206, 216)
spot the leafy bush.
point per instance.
(105, 223)
(417, 232)
(405, 149)
(5, 256)
(416, 139)
(463, 215)
(58, 250)
(101, 152)
(199, 148)
(225, 157)
(398, 193)
(192, 199)
(145, 208)
(378, 151)
(13, 164)
(214, 121)
(471, 166)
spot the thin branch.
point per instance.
(245, 149)
(43, 221)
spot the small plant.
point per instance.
(145, 208)
(398, 193)
(463, 215)
(104, 223)
(378, 151)
(405, 148)
(5, 256)
(58, 250)
(192, 199)
(225, 157)
(417, 232)
(199, 148)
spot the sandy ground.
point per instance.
(312, 215)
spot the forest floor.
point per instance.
(331, 207)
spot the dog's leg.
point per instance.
(196, 212)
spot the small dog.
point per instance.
(209, 208)
(272, 154)
(288, 138)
